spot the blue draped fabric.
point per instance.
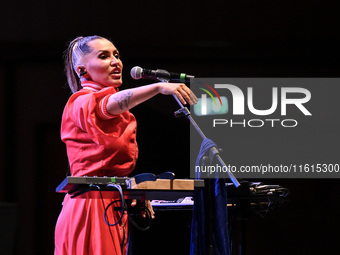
(199, 228)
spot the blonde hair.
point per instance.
(73, 55)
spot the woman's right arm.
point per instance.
(126, 99)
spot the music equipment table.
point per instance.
(167, 189)
(170, 193)
(176, 194)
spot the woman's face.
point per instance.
(103, 64)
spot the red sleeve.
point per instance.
(88, 111)
(102, 111)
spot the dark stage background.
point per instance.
(206, 39)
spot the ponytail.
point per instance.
(72, 78)
(73, 55)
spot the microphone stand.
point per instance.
(184, 112)
(209, 183)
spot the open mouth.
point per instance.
(116, 73)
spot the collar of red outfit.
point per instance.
(94, 86)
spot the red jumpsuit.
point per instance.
(98, 144)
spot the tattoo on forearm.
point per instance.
(124, 99)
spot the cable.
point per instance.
(119, 188)
(136, 225)
(123, 208)
(102, 199)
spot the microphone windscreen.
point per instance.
(136, 72)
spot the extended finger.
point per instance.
(178, 94)
(151, 210)
(193, 97)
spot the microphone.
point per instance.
(159, 74)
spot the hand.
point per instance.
(147, 205)
(180, 90)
